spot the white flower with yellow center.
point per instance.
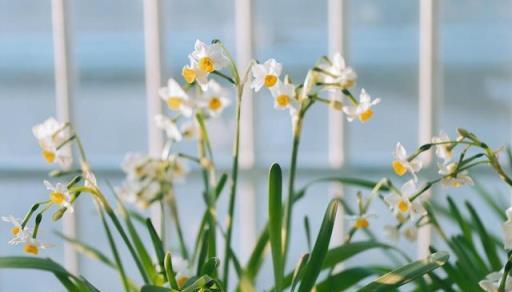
(401, 164)
(59, 195)
(338, 72)
(363, 110)
(176, 98)
(189, 129)
(266, 74)
(169, 126)
(394, 233)
(50, 135)
(19, 233)
(136, 165)
(209, 57)
(360, 221)
(401, 205)
(179, 168)
(32, 246)
(214, 99)
(492, 282)
(443, 150)
(182, 269)
(451, 179)
(284, 96)
(192, 73)
(507, 230)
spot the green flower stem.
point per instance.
(506, 271)
(31, 212)
(174, 214)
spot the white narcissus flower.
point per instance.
(507, 230)
(214, 99)
(338, 72)
(182, 269)
(192, 73)
(360, 221)
(19, 233)
(443, 151)
(179, 168)
(59, 195)
(136, 165)
(50, 135)
(176, 98)
(491, 283)
(89, 177)
(189, 129)
(284, 96)
(266, 74)
(32, 245)
(209, 57)
(411, 233)
(401, 165)
(169, 126)
(363, 110)
(454, 180)
(401, 204)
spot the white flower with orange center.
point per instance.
(363, 109)
(360, 221)
(284, 96)
(401, 205)
(214, 99)
(443, 149)
(337, 72)
(59, 195)
(209, 57)
(50, 135)
(176, 98)
(191, 73)
(452, 177)
(33, 246)
(169, 126)
(266, 74)
(18, 232)
(182, 269)
(402, 164)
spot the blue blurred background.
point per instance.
(475, 92)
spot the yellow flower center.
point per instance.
(399, 167)
(15, 230)
(270, 80)
(48, 155)
(215, 103)
(206, 64)
(188, 74)
(347, 83)
(174, 102)
(403, 206)
(181, 281)
(57, 197)
(361, 223)
(366, 115)
(283, 100)
(30, 248)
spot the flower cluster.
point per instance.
(52, 136)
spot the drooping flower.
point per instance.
(363, 110)
(360, 221)
(444, 150)
(189, 129)
(209, 57)
(169, 126)
(284, 96)
(337, 72)
(142, 193)
(59, 195)
(507, 230)
(182, 269)
(89, 177)
(394, 233)
(214, 99)
(401, 164)
(51, 134)
(18, 232)
(32, 246)
(452, 179)
(136, 165)
(401, 205)
(491, 283)
(192, 73)
(266, 74)
(176, 98)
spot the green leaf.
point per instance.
(407, 273)
(346, 279)
(88, 250)
(299, 271)
(210, 266)
(151, 288)
(169, 271)
(319, 252)
(203, 253)
(157, 243)
(68, 280)
(275, 222)
(464, 226)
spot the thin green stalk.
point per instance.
(174, 213)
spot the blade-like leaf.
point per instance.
(275, 222)
(346, 279)
(487, 243)
(157, 243)
(87, 250)
(299, 271)
(319, 252)
(151, 288)
(407, 273)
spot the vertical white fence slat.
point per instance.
(336, 129)
(153, 62)
(243, 42)
(428, 60)
(63, 80)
